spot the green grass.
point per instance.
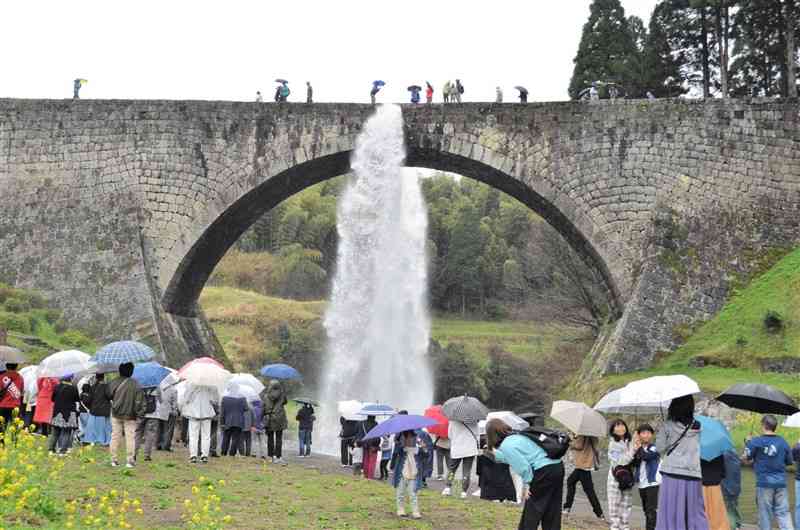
(259, 495)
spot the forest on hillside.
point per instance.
(490, 256)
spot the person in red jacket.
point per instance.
(429, 93)
(11, 388)
(44, 404)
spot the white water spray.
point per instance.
(377, 323)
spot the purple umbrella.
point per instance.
(400, 423)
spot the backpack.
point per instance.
(624, 477)
(460, 88)
(285, 91)
(554, 443)
(145, 403)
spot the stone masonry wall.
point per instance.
(119, 210)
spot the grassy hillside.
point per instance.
(736, 341)
(248, 326)
(34, 327)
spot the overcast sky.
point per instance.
(175, 49)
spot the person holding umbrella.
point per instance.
(464, 414)
(309, 93)
(408, 460)
(770, 454)
(305, 419)
(199, 404)
(98, 426)
(415, 90)
(680, 498)
(523, 94)
(587, 459)
(428, 93)
(376, 87)
(369, 448)
(275, 421)
(65, 416)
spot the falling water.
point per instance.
(377, 323)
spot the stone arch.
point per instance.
(196, 266)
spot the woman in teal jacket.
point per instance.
(543, 477)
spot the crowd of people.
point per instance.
(678, 489)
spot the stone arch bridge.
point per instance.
(119, 210)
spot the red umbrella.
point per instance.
(201, 360)
(440, 429)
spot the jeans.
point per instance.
(230, 440)
(347, 458)
(466, 472)
(409, 487)
(119, 429)
(773, 502)
(167, 431)
(584, 476)
(199, 434)
(147, 435)
(649, 498)
(305, 442)
(442, 460)
(61, 439)
(275, 443)
(734, 515)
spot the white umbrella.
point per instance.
(510, 419)
(579, 418)
(237, 390)
(349, 410)
(250, 380)
(792, 421)
(611, 403)
(658, 389)
(63, 363)
(206, 374)
(29, 380)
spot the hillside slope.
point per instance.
(754, 338)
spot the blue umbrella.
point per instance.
(150, 374)
(378, 83)
(714, 438)
(124, 351)
(280, 371)
(400, 423)
(376, 409)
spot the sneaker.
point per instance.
(416, 515)
(147, 459)
(446, 492)
(204, 460)
(440, 478)
(129, 465)
(114, 463)
(463, 494)
(193, 460)
(565, 511)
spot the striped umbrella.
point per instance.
(124, 351)
(465, 409)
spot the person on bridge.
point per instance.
(499, 95)
(284, 89)
(428, 93)
(415, 94)
(446, 90)
(76, 88)
(376, 87)
(309, 93)
(259, 98)
(458, 92)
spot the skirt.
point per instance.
(716, 512)
(98, 430)
(680, 505)
(65, 423)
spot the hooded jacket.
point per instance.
(684, 460)
(199, 401)
(274, 400)
(123, 393)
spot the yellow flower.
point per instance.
(139, 511)
(221, 482)
(195, 490)
(113, 494)
(227, 519)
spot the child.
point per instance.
(386, 455)
(586, 459)
(646, 473)
(620, 453)
(356, 459)
(65, 416)
(770, 454)
(407, 462)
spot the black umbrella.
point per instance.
(758, 397)
(413, 88)
(306, 401)
(465, 409)
(282, 81)
(522, 89)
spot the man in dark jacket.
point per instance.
(232, 416)
(126, 398)
(305, 418)
(347, 434)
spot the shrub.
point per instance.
(17, 304)
(20, 323)
(455, 372)
(773, 322)
(74, 338)
(60, 325)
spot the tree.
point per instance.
(607, 50)
(455, 372)
(662, 64)
(512, 383)
(299, 272)
(462, 266)
(759, 67)
(790, 13)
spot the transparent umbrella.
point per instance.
(69, 362)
